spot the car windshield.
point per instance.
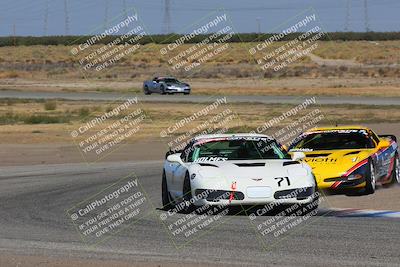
(170, 80)
(333, 140)
(237, 149)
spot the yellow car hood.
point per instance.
(334, 163)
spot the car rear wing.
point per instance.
(391, 136)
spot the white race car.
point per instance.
(235, 169)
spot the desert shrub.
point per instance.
(50, 105)
(8, 118)
(8, 75)
(84, 112)
(44, 119)
(12, 118)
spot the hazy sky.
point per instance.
(85, 16)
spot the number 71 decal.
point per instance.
(281, 179)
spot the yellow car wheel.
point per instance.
(396, 170)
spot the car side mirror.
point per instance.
(175, 158)
(383, 143)
(298, 156)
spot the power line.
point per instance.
(167, 17)
(66, 17)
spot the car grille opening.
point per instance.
(298, 193)
(334, 179)
(216, 195)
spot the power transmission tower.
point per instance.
(105, 14)
(14, 34)
(124, 13)
(347, 24)
(46, 17)
(366, 18)
(167, 17)
(124, 9)
(66, 17)
(258, 25)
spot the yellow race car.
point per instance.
(350, 157)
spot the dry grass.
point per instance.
(56, 62)
(53, 68)
(362, 51)
(381, 52)
(160, 117)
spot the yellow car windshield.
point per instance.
(333, 140)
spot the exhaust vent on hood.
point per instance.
(286, 163)
(352, 153)
(320, 155)
(208, 165)
(258, 164)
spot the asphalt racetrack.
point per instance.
(33, 220)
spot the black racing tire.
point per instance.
(370, 179)
(313, 205)
(187, 195)
(166, 200)
(396, 170)
(162, 88)
(146, 90)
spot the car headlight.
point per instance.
(354, 176)
(297, 172)
(358, 171)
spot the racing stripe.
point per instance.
(336, 184)
(390, 169)
(380, 151)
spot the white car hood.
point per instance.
(245, 169)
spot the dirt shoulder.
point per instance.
(17, 154)
(44, 154)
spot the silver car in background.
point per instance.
(165, 85)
